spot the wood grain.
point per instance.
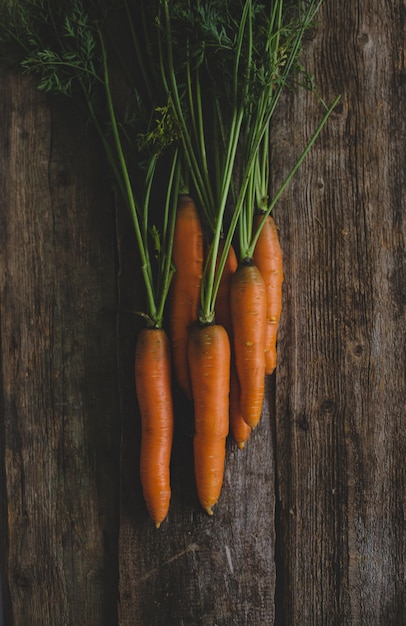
(59, 392)
(341, 378)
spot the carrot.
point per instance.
(222, 306)
(153, 387)
(238, 426)
(268, 258)
(187, 256)
(248, 311)
(209, 360)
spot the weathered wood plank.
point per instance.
(341, 378)
(60, 421)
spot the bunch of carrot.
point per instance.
(224, 78)
(201, 81)
(221, 364)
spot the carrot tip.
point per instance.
(157, 524)
(209, 510)
(241, 445)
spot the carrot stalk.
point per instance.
(209, 359)
(154, 395)
(268, 259)
(187, 257)
(248, 313)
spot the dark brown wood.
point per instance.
(60, 430)
(341, 390)
(310, 526)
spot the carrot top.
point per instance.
(196, 82)
(74, 50)
(224, 67)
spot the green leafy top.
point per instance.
(196, 80)
(74, 50)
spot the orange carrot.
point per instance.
(187, 255)
(209, 361)
(153, 387)
(222, 307)
(268, 258)
(238, 426)
(248, 313)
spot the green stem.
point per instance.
(149, 178)
(212, 276)
(142, 65)
(250, 249)
(171, 87)
(211, 283)
(128, 187)
(258, 120)
(168, 269)
(201, 142)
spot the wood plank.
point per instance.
(341, 378)
(60, 422)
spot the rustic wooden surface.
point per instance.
(59, 401)
(310, 527)
(341, 392)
